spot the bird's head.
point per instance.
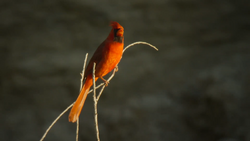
(117, 29)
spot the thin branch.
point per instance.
(52, 124)
(82, 79)
(95, 105)
(77, 129)
(96, 87)
(83, 70)
(139, 42)
(100, 93)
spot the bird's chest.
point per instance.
(112, 56)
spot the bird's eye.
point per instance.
(115, 31)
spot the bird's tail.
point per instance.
(77, 108)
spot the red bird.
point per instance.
(106, 57)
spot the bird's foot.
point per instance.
(105, 81)
(116, 68)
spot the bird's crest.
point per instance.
(115, 25)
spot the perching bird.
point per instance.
(106, 57)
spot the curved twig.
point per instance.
(139, 42)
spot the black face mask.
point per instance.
(117, 38)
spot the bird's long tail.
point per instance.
(77, 108)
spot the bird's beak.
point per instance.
(120, 32)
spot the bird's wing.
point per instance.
(97, 57)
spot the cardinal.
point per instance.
(106, 57)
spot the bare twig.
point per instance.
(77, 129)
(83, 70)
(139, 42)
(82, 79)
(100, 93)
(95, 105)
(97, 87)
(52, 124)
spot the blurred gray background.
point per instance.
(195, 88)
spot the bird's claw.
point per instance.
(116, 68)
(105, 81)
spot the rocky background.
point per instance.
(195, 88)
